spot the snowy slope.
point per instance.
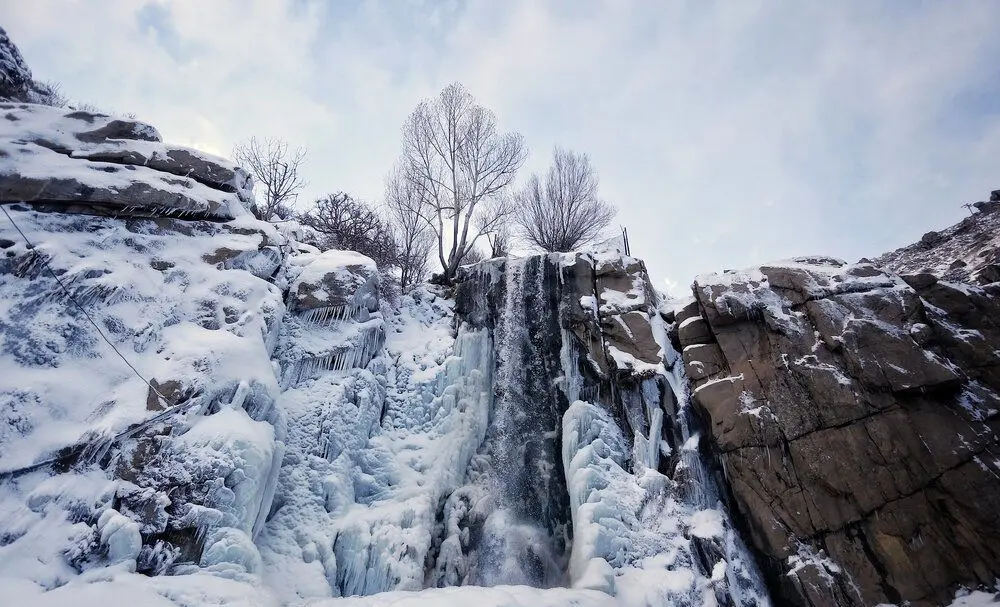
(190, 306)
(968, 251)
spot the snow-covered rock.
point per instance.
(15, 75)
(88, 162)
(137, 392)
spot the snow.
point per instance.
(54, 142)
(706, 523)
(748, 293)
(120, 536)
(91, 457)
(166, 323)
(961, 252)
(496, 596)
(351, 269)
(730, 379)
(975, 598)
(117, 586)
(688, 321)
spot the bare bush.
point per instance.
(414, 239)
(345, 223)
(48, 93)
(565, 211)
(473, 256)
(275, 168)
(460, 165)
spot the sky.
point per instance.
(727, 134)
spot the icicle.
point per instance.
(330, 314)
(653, 446)
(240, 396)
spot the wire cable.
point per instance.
(69, 294)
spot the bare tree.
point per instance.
(349, 224)
(414, 239)
(564, 212)
(276, 169)
(460, 165)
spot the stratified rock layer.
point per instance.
(855, 417)
(76, 161)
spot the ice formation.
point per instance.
(300, 439)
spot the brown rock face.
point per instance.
(856, 418)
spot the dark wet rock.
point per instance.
(988, 273)
(931, 238)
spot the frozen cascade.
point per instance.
(516, 513)
(648, 524)
(744, 581)
(373, 451)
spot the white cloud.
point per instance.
(780, 128)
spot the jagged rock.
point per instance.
(931, 238)
(958, 253)
(919, 281)
(850, 411)
(988, 273)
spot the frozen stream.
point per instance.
(455, 458)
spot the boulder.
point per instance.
(632, 334)
(337, 282)
(688, 310)
(986, 206)
(988, 273)
(694, 331)
(703, 360)
(919, 281)
(931, 238)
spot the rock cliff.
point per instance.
(854, 414)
